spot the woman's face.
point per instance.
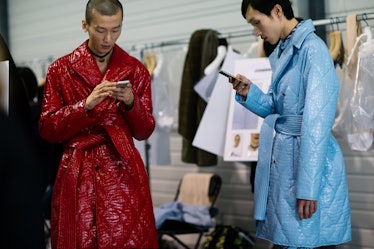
(267, 27)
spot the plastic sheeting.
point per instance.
(355, 117)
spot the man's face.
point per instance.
(103, 31)
(267, 27)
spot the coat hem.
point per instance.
(303, 245)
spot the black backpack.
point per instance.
(228, 237)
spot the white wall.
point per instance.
(41, 28)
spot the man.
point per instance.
(101, 196)
(300, 177)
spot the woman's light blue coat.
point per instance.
(309, 166)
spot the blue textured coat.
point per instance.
(309, 165)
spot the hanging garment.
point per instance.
(337, 47)
(162, 111)
(362, 102)
(169, 66)
(216, 63)
(350, 56)
(259, 48)
(211, 133)
(162, 108)
(201, 52)
(354, 115)
(343, 124)
(206, 84)
(150, 62)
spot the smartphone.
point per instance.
(122, 83)
(227, 74)
(232, 76)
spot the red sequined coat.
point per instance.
(101, 197)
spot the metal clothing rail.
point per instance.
(241, 33)
(341, 19)
(230, 35)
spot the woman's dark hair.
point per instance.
(265, 7)
(104, 7)
(29, 82)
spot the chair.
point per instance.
(194, 189)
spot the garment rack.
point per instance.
(235, 34)
(242, 33)
(341, 19)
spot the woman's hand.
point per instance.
(306, 208)
(240, 84)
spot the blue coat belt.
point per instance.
(285, 124)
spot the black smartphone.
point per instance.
(122, 83)
(227, 74)
(232, 76)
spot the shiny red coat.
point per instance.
(101, 197)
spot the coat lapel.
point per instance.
(119, 67)
(279, 65)
(84, 65)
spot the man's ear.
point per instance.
(84, 26)
(278, 10)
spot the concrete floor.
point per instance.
(190, 239)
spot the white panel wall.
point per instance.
(41, 28)
(44, 28)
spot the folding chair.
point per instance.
(194, 189)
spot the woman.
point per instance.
(301, 194)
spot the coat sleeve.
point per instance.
(322, 89)
(59, 122)
(140, 118)
(257, 101)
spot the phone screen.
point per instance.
(122, 83)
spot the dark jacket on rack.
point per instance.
(202, 51)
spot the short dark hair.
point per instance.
(104, 7)
(265, 7)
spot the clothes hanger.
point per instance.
(367, 30)
(366, 34)
(332, 36)
(159, 64)
(221, 54)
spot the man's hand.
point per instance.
(306, 208)
(109, 89)
(241, 84)
(99, 93)
(124, 94)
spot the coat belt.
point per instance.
(285, 124)
(67, 221)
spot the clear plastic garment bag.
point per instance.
(362, 101)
